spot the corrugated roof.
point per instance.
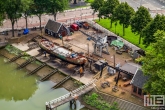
(129, 68)
(53, 26)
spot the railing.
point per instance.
(69, 94)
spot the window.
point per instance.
(134, 89)
(140, 91)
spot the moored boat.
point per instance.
(62, 53)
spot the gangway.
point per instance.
(15, 58)
(49, 75)
(70, 96)
(61, 82)
(35, 70)
(26, 63)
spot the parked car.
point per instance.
(79, 24)
(85, 25)
(75, 27)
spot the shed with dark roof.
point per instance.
(138, 82)
(55, 29)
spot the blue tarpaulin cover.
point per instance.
(26, 31)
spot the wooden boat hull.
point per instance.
(76, 61)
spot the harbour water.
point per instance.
(20, 92)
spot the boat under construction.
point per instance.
(62, 53)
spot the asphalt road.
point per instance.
(136, 3)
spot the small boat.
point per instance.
(62, 53)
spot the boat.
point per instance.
(62, 53)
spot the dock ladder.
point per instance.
(61, 82)
(15, 58)
(49, 75)
(26, 63)
(35, 70)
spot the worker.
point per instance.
(81, 71)
(44, 53)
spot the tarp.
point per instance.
(118, 43)
(26, 31)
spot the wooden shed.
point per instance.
(137, 84)
(55, 29)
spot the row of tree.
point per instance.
(151, 29)
(14, 9)
(140, 21)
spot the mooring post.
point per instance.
(73, 102)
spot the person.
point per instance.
(44, 53)
(81, 71)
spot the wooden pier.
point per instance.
(49, 75)
(61, 82)
(70, 96)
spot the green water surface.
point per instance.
(20, 92)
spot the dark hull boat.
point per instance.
(62, 53)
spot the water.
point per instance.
(20, 92)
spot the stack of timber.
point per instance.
(26, 63)
(61, 82)
(35, 70)
(49, 75)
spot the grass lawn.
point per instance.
(89, 1)
(129, 36)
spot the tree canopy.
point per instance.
(1, 12)
(158, 23)
(108, 9)
(154, 65)
(26, 9)
(123, 13)
(96, 5)
(38, 8)
(140, 20)
(13, 10)
(55, 6)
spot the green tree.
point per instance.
(26, 9)
(55, 6)
(123, 13)
(140, 20)
(107, 10)
(154, 65)
(158, 23)
(13, 10)
(1, 12)
(38, 8)
(96, 5)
